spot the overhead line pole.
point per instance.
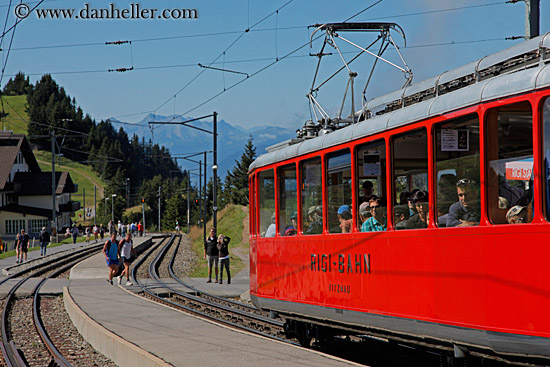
(54, 210)
(532, 18)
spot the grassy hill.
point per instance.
(17, 118)
(83, 175)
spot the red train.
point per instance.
(453, 249)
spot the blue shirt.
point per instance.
(372, 225)
(112, 251)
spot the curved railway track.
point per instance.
(220, 310)
(13, 355)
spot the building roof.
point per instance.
(40, 183)
(22, 209)
(10, 145)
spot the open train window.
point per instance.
(410, 180)
(371, 179)
(288, 216)
(339, 192)
(266, 187)
(457, 172)
(510, 163)
(312, 197)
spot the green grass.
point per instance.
(11, 253)
(230, 223)
(17, 118)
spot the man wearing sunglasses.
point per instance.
(466, 211)
(377, 222)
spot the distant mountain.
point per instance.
(231, 139)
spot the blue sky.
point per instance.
(164, 53)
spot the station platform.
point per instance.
(133, 331)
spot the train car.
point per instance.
(453, 251)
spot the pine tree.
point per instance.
(18, 86)
(238, 177)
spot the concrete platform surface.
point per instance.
(177, 338)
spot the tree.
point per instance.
(236, 183)
(17, 86)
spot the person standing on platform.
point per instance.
(110, 250)
(74, 231)
(211, 251)
(44, 240)
(223, 246)
(140, 229)
(23, 246)
(126, 250)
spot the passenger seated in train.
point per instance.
(517, 214)
(315, 216)
(364, 213)
(270, 232)
(292, 229)
(344, 217)
(406, 198)
(367, 192)
(400, 214)
(421, 218)
(467, 210)
(377, 222)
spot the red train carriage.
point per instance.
(456, 249)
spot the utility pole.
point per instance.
(84, 201)
(54, 211)
(127, 192)
(205, 201)
(188, 199)
(143, 211)
(215, 174)
(95, 204)
(200, 193)
(532, 18)
(159, 208)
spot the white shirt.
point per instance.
(126, 250)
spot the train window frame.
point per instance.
(287, 225)
(263, 215)
(374, 148)
(314, 207)
(457, 174)
(544, 114)
(340, 216)
(501, 203)
(406, 210)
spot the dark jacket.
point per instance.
(210, 246)
(224, 247)
(44, 236)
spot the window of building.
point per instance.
(510, 163)
(371, 175)
(312, 197)
(457, 172)
(37, 224)
(266, 186)
(14, 226)
(288, 201)
(339, 192)
(410, 175)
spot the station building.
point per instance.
(26, 192)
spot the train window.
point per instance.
(312, 197)
(410, 175)
(253, 205)
(457, 172)
(371, 176)
(510, 163)
(546, 148)
(288, 199)
(339, 192)
(266, 186)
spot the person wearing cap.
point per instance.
(466, 211)
(364, 214)
(315, 215)
(367, 191)
(377, 222)
(44, 240)
(292, 229)
(344, 217)
(517, 215)
(421, 218)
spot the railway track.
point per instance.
(21, 346)
(233, 314)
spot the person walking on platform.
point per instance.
(110, 250)
(211, 250)
(126, 250)
(44, 240)
(223, 246)
(74, 231)
(23, 246)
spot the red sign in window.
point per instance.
(519, 170)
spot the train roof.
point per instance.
(515, 70)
